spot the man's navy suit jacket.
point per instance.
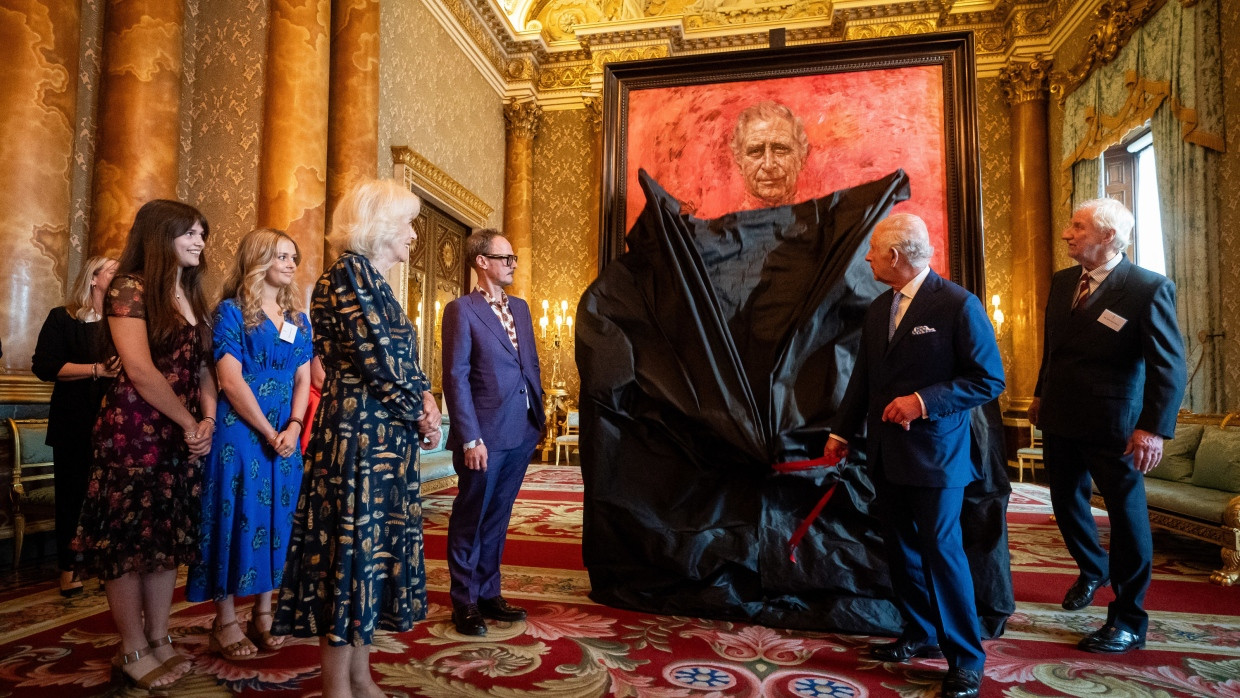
(1097, 383)
(488, 386)
(944, 349)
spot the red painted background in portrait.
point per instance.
(861, 126)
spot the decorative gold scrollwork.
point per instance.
(1114, 23)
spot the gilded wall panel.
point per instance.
(434, 100)
(564, 237)
(38, 83)
(995, 144)
(1229, 205)
(222, 121)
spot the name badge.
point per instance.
(289, 332)
(1112, 320)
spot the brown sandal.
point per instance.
(174, 662)
(263, 638)
(233, 651)
(144, 683)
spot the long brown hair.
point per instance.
(149, 253)
(255, 255)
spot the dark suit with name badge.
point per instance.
(944, 350)
(1114, 365)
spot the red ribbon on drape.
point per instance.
(824, 462)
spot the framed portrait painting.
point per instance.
(754, 129)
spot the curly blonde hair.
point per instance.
(255, 255)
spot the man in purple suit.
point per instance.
(495, 398)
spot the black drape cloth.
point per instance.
(709, 351)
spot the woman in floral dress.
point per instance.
(355, 556)
(251, 480)
(140, 517)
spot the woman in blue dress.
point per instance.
(252, 477)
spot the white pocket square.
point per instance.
(923, 329)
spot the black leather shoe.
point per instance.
(1111, 640)
(468, 620)
(1082, 591)
(499, 609)
(903, 650)
(962, 683)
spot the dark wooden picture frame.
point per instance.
(711, 77)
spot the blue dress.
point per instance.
(249, 493)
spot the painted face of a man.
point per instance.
(771, 159)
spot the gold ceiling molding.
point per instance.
(557, 49)
(422, 174)
(1114, 23)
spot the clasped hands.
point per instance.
(198, 438)
(429, 423)
(284, 442)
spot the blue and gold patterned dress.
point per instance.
(249, 492)
(355, 555)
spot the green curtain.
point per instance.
(1086, 180)
(1188, 196)
(1170, 74)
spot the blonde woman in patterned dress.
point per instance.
(355, 555)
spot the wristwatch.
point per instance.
(473, 444)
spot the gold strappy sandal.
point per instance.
(263, 638)
(174, 662)
(233, 651)
(144, 683)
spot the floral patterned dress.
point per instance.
(355, 555)
(141, 510)
(249, 492)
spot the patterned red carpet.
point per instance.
(570, 647)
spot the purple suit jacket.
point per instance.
(489, 387)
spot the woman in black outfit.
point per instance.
(73, 351)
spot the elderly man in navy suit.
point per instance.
(495, 398)
(927, 357)
(1111, 382)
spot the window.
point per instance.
(1129, 175)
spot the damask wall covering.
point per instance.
(222, 121)
(995, 146)
(562, 230)
(432, 99)
(1229, 204)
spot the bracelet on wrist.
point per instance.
(209, 419)
(94, 371)
(297, 420)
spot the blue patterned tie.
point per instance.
(895, 308)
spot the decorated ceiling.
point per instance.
(554, 50)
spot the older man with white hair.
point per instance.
(928, 356)
(1112, 378)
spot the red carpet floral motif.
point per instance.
(570, 647)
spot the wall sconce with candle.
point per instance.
(556, 331)
(996, 315)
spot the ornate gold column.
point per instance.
(139, 116)
(38, 93)
(353, 121)
(594, 105)
(1025, 88)
(292, 176)
(523, 119)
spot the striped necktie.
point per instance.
(1082, 292)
